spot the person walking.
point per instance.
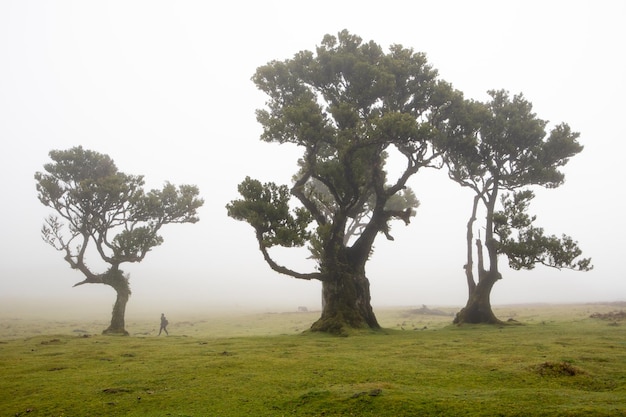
(164, 324)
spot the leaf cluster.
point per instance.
(526, 245)
(266, 208)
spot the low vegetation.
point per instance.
(558, 361)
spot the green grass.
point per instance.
(560, 363)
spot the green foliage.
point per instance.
(503, 144)
(561, 363)
(266, 208)
(132, 244)
(530, 246)
(95, 203)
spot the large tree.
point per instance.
(349, 106)
(99, 207)
(498, 150)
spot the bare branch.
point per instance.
(281, 269)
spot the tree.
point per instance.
(100, 207)
(499, 147)
(348, 106)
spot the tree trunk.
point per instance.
(117, 280)
(346, 304)
(478, 307)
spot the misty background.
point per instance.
(164, 89)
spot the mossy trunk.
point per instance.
(116, 279)
(478, 307)
(346, 304)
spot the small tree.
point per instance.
(98, 205)
(347, 106)
(502, 146)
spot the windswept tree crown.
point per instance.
(502, 144)
(348, 105)
(101, 205)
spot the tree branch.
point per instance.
(471, 283)
(298, 188)
(283, 270)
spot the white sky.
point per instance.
(164, 89)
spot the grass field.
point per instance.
(559, 362)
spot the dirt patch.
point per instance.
(373, 393)
(115, 390)
(557, 369)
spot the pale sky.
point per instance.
(164, 89)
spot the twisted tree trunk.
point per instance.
(478, 307)
(116, 279)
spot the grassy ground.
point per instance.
(560, 362)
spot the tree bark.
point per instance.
(478, 307)
(346, 305)
(115, 278)
(346, 300)
(468, 267)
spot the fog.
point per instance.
(164, 89)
